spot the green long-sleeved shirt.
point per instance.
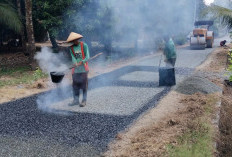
(78, 58)
(170, 50)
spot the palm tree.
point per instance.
(224, 14)
(9, 16)
(23, 38)
(30, 34)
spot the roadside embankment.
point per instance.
(185, 122)
(225, 127)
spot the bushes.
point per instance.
(230, 65)
(180, 39)
(20, 75)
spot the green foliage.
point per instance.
(224, 14)
(197, 141)
(9, 16)
(180, 39)
(13, 71)
(50, 14)
(38, 73)
(193, 144)
(20, 75)
(231, 35)
(230, 65)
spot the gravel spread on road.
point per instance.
(22, 120)
(197, 84)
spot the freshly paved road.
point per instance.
(115, 100)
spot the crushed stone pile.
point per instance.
(197, 84)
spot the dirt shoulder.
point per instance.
(166, 124)
(225, 127)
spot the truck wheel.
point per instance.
(209, 43)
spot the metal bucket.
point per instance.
(57, 77)
(167, 76)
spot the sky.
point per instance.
(208, 2)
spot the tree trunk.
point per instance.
(30, 34)
(1, 37)
(53, 40)
(23, 38)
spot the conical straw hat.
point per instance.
(73, 36)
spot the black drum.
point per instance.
(167, 76)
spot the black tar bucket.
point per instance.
(57, 77)
(167, 76)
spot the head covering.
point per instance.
(73, 36)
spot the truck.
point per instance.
(201, 37)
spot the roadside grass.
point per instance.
(197, 140)
(194, 143)
(225, 127)
(19, 75)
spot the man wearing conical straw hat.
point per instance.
(80, 54)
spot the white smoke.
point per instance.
(223, 3)
(49, 61)
(208, 2)
(53, 62)
(141, 22)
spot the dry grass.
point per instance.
(225, 144)
(166, 137)
(225, 127)
(199, 134)
(216, 62)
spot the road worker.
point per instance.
(169, 52)
(80, 54)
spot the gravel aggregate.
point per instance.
(115, 100)
(197, 84)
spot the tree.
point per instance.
(222, 13)
(107, 22)
(199, 9)
(30, 34)
(23, 38)
(83, 18)
(9, 16)
(95, 21)
(50, 15)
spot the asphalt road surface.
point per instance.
(115, 100)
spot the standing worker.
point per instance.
(80, 54)
(169, 52)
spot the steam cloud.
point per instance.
(141, 22)
(49, 62)
(223, 3)
(134, 22)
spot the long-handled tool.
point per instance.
(57, 77)
(89, 59)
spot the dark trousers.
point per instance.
(171, 62)
(80, 81)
